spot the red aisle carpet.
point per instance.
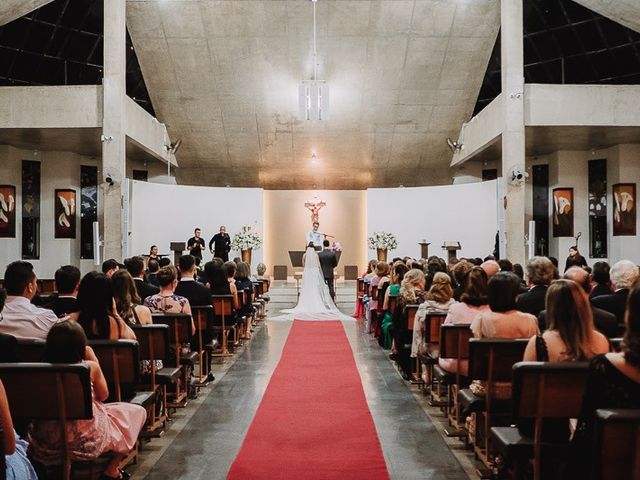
(313, 421)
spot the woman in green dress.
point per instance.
(397, 274)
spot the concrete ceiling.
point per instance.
(12, 9)
(625, 12)
(224, 76)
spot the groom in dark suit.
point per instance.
(328, 262)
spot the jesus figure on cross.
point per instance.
(315, 207)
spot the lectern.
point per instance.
(451, 248)
(177, 248)
(424, 249)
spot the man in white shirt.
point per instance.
(20, 317)
(315, 237)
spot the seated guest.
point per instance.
(167, 300)
(243, 270)
(519, 271)
(261, 274)
(188, 287)
(135, 266)
(20, 317)
(397, 275)
(473, 301)
(371, 267)
(623, 275)
(604, 321)
(460, 272)
(230, 268)
(540, 273)
(434, 265)
(503, 320)
(152, 272)
(601, 280)
(490, 267)
(614, 382)
(97, 310)
(438, 300)
(570, 335)
(505, 265)
(113, 428)
(67, 283)
(164, 262)
(109, 267)
(218, 283)
(381, 272)
(411, 293)
(18, 466)
(128, 303)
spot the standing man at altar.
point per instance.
(315, 237)
(220, 244)
(195, 245)
(328, 261)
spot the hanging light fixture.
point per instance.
(314, 94)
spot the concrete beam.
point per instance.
(147, 132)
(10, 10)
(570, 105)
(624, 12)
(578, 106)
(480, 132)
(51, 107)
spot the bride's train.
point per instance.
(314, 302)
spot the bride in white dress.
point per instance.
(314, 302)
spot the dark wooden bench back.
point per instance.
(30, 350)
(153, 341)
(410, 315)
(223, 307)
(548, 390)
(120, 363)
(433, 323)
(492, 359)
(454, 341)
(66, 388)
(617, 444)
(359, 287)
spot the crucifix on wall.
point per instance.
(315, 206)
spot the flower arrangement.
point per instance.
(383, 241)
(246, 240)
(336, 247)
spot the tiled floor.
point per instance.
(205, 438)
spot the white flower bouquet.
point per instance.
(336, 247)
(246, 240)
(383, 241)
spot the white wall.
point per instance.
(464, 213)
(161, 214)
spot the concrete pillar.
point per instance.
(114, 143)
(513, 136)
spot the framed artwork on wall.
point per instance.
(563, 212)
(624, 209)
(65, 213)
(7, 211)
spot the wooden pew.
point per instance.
(179, 334)
(542, 391)
(29, 350)
(616, 445)
(154, 345)
(432, 324)
(67, 390)
(491, 361)
(203, 318)
(223, 308)
(454, 343)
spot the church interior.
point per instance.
(456, 179)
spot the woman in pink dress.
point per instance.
(114, 427)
